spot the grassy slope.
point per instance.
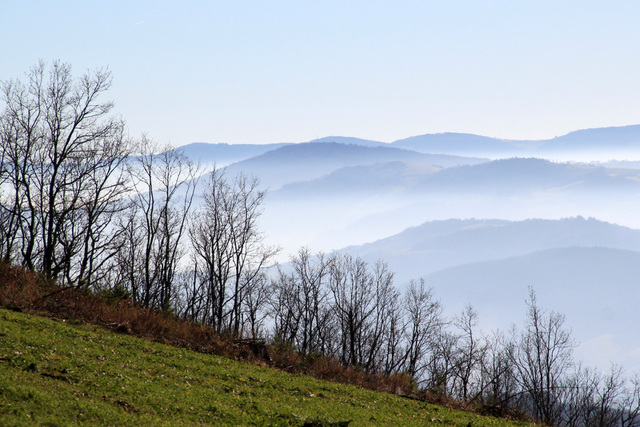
(55, 373)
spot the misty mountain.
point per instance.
(521, 175)
(435, 245)
(584, 268)
(502, 177)
(462, 144)
(351, 140)
(608, 137)
(224, 154)
(360, 180)
(591, 278)
(608, 143)
(595, 288)
(306, 161)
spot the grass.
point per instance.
(57, 373)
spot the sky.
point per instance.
(291, 71)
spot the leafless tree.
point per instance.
(630, 403)
(362, 299)
(255, 308)
(301, 303)
(469, 352)
(152, 232)
(578, 404)
(352, 293)
(498, 376)
(542, 357)
(394, 351)
(61, 178)
(607, 399)
(383, 318)
(228, 246)
(424, 330)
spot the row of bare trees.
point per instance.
(340, 306)
(86, 205)
(61, 173)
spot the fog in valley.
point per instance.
(480, 219)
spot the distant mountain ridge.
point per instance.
(618, 135)
(312, 160)
(223, 154)
(505, 177)
(451, 142)
(436, 245)
(609, 139)
(595, 288)
(586, 269)
(614, 141)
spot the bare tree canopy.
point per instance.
(62, 176)
(228, 249)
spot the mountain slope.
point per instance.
(222, 154)
(300, 162)
(521, 175)
(55, 373)
(607, 137)
(360, 180)
(604, 143)
(459, 143)
(436, 245)
(596, 289)
(351, 140)
(499, 177)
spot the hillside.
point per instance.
(584, 268)
(603, 143)
(436, 245)
(301, 162)
(223, 154)
(356, 181)
(459, 143)
(54, 372)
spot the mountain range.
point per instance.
(586, 269)
(480, 219)
(306, 161)
(607, 143)
(436, 245)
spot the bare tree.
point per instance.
(469, 351)
(542, 358)
(383, 317)
(353, 295)
(498, 377)
(155, 224)
(630, 403)
(62, 158)
(393, 354)
(424, 329)
(284, 303)
(300, 301)
(578, 405)
(607, 399)
(228, 246)
(255, 307)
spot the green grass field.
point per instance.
(55, 373)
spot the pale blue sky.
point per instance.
(288, 71)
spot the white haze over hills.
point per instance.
(479, 218)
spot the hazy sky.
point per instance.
(288, 71)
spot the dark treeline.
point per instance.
(84, 204)
(338, 305)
